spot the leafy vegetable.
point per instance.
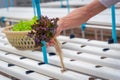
(43, 30)
(24, 25)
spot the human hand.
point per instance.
(57, 33)
(67, 22)
(59, 28)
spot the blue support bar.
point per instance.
(37, 4)
(83, 26)
(61, 3)
(6, 4)
(11, 3)
(1, 4)
(114, 34)
(2, 19)
(44, 52)
(68, 6)
(34, 7)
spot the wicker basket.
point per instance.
(19, 39)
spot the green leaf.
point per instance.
(24, 25)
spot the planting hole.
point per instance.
(29, 71)
(7, 53)
(10, 65)
(98, 66)
(52, 54)
(82, 46)
(41, 63)
(89, 39)
(64, 42)
(106, 49)
(72, 60)
(103, 57)
(79, 52)
(91, 78)
(53, 79)
(5, 43)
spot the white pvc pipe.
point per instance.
(96, 43)
(45, 69)
(78, 65)
(96, 35)
(19, 72)
(92, 50)
(102, 34)
(4, 78)
(83, 34)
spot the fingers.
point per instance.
(50, 43)
(58, 31)
(59, 28)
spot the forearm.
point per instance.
(81, 15)
(94, 8)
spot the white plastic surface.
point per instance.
(4, 78)
(85, 63)
(96, 43)
(19, 72)
(43, 69)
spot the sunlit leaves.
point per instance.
(24, 25)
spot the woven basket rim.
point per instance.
(8, 30)
(11, 36)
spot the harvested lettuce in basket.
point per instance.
(24, 25)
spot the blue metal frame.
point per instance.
(37, 4)
(11, 3)
(83, 26)
(2, 19)
(61, 3)
(34, 7)
(114, 34)
(1, 5)
(6, 1)
(68, 6)
(44, 52)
